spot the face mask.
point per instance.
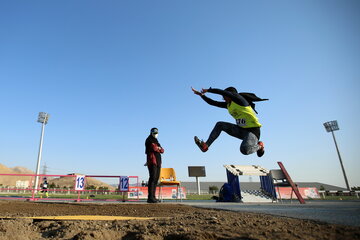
(155, 135)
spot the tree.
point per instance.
(213, 189)
(102, 190)
(90, 187)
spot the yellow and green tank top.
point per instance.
(245, 116)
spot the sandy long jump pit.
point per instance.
(35, 220)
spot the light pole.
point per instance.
(43, 119)
(331, 127)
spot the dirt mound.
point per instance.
(180, 222)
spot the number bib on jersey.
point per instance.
(241, 122)
(245, 116)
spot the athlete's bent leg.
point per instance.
(249, 144)
(231, 129)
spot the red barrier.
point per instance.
(166, 192)
(306, 192)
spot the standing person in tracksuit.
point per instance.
(153, 152)
(241, 107)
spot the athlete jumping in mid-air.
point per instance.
(242, 108)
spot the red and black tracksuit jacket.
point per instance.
(153, 151)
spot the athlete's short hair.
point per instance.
(231, 89)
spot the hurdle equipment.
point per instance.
(247, 170)
(265, 194)
(291, 183)
(255, 196)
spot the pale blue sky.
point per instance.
(108, 71)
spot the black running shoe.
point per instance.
(152, 201)
(201, 144)
(261, 150)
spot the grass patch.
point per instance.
(343, 198)
(199, 197)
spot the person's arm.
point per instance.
(213, 102)
(237, 98)
(157, 148)
(209, 100)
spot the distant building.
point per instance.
(22, 184)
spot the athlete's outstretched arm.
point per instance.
(209, 100)
(235, 97)
(196, 92)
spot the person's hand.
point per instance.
(204, 90)
(196, 92)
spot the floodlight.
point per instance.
(43, 117)
(331, 127)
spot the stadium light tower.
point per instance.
(43, 119)
(331, 127)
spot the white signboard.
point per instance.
(124, 184)
(80, 183)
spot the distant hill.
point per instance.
(15, 170)
(22, 170)
(11, 180)
(62, 182)
(70, 182)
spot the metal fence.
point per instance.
(78, 191)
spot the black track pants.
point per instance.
(154, 173)
(250, 141)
